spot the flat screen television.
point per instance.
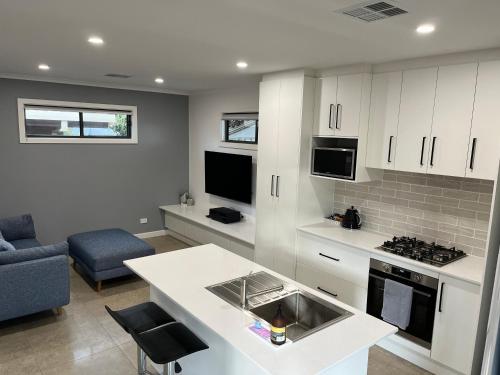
(229, 176)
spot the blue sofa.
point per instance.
(33, 277)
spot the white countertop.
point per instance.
(468, 269)
(183, 275)
(243, 230)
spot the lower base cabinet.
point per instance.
(343, 290)
(203, 235)
(455, 324)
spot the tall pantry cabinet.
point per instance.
(285, 111)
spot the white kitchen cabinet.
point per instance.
(287, 180)
(343, 290)
(451, 125)
(415, 119)
(269, 97)
(383, 123)
(325, 106)
(333, 258)
(280, 124)
(455, 323)
(339, 104)
(484, 146)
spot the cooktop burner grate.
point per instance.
(430, 253)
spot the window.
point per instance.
(240, 127)
(43, 121)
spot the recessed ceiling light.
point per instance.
(159, 80)
(43, 67)
(426, 28)
(242, 64)
(95, 40)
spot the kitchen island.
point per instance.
(178, 282)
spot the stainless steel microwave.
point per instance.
(334, 162)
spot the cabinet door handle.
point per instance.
(473, 153)
(327, 292)
(441, 298)
(331, 117)
(329, 257)
(432, 150)
(338, 120)
(422, 151)
(390, 147)
(272, 185)
(277, 186)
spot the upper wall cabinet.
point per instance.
(415, 119)
(484, 147)
(339, 104)
(453, 107)
(383, 124)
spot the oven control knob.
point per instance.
(418, 277)
(387, 268)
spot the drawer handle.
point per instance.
(329, 257)
(327, 292)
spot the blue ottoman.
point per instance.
(101, 253)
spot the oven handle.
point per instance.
(441, 298)
(414, 290)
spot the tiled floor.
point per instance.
(84, 340)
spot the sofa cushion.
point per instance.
(6, 246)
(23, 255)
(17, 227)
(26, 243)
(107, 249)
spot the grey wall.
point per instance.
(71, 188)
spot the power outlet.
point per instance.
(143, 220)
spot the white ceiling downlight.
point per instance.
(372, 11)
(159, 80)
(242, 64)
(95, 40)
(43, 67)
(426, 28)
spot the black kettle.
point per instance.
(351, 219)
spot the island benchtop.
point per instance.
(183, 276)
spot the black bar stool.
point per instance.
(140, 318)
(168, 343)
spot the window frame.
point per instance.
(22, 103)
(225, 127)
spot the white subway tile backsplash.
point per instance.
(447, 210)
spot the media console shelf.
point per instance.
(191, 225)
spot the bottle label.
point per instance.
(278, 334)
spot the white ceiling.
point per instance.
(194, 44)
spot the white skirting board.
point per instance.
(156, 233)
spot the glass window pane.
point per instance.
(241, 131)
(105, 124)
(52, 122)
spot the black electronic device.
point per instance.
(224, 215)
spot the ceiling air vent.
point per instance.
(372, 11)
(117, 75)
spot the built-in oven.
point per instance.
(424, 299)
(334, 162)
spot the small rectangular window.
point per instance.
(42, 121)
(240, 127)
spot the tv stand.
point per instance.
(190, 224)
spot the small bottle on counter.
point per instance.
(278, 328)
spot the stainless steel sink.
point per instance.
(230, 290)
(305, 313)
